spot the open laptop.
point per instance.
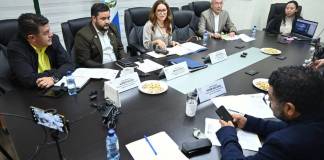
(304, 29)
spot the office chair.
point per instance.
(197, 7)
(134, 20)
(278, 9)
(69, 30)
(5, 73)
(8, 29)
(183, 25)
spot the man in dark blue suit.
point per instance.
(296, 98)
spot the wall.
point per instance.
(244, 13)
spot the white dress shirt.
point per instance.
(108, 54)
(216, 19)
(285, 29)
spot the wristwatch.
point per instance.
(55, 79)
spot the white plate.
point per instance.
(261, 83)
(153, 87)
(271, 51)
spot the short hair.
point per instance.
(302, 86)
(29, 23)
(98, 7)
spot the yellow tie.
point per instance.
(43, 61)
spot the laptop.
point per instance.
(304, 29)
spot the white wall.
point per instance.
(244, 13)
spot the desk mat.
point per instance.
(203, 77)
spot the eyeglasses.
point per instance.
(266, 99)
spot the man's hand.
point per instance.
(216, 35)
(231, 34)
(174, 43)
(45, 82)
(317, 64)
(238, 119)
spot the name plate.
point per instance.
(125, 83)
(176, 70)
(112, 94)
(211, 90)
(218, 56)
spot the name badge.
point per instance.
(125, 83)
(211, 90)
(218, 56)
(176, 70)
(112, 94)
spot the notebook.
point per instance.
(192, 64)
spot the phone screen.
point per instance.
(47, 119)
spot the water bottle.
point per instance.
(191, 103)
(70, 82)
(253, 32)
(205, 38)
(112, 145)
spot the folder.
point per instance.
(192, 64)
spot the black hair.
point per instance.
(302, 86)
(284, 14)
(29, 23)
(98, 7)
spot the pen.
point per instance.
(147, 140)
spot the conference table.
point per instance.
(141, 113)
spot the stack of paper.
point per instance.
(186, 48)
(226, 37)
(251, 104)
(246, 38)
(247, 140)
(96, 73)
(164, 147)
(148, 66)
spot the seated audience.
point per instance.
(215, 21)
(36, 56)
(99, 42)
(158, 30)
(296, 98)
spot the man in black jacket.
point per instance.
(36, 56)
(99, 42)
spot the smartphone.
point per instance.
(224, 114)
(49, 119)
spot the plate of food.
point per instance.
(271, 51)
(261, 83)
(153, 87)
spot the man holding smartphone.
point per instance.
(296, 98)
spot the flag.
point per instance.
(112, 4)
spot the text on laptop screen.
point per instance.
(305, 28)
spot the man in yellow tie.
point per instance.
(35, 55)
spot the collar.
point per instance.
(307, 118)
(99, 32)
(39, 50)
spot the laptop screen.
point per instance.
(305, 28)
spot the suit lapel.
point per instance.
(212, 20)
(96, 39)
(220, 22)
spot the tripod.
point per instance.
(56, 138)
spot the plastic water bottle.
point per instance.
(253, 32)
(205, 38)
(112, 145)
(70, 82)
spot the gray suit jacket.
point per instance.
(207, 22)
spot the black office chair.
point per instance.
(278, 9)
(134, 20)
(69, 30)
(183, 22)
(8, 29)
(5, 73)
(197, 7)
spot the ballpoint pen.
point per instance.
(149, 143)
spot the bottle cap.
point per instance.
(111, 132)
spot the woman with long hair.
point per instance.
(284, 23)
(158, 29)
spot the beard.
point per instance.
(103, 28)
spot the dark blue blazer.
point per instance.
(300, 139)
(23, 61)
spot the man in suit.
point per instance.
(36, 56)
(215, 21)
(99, 42)
(296, 98)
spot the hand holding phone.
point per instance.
(224, 115)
